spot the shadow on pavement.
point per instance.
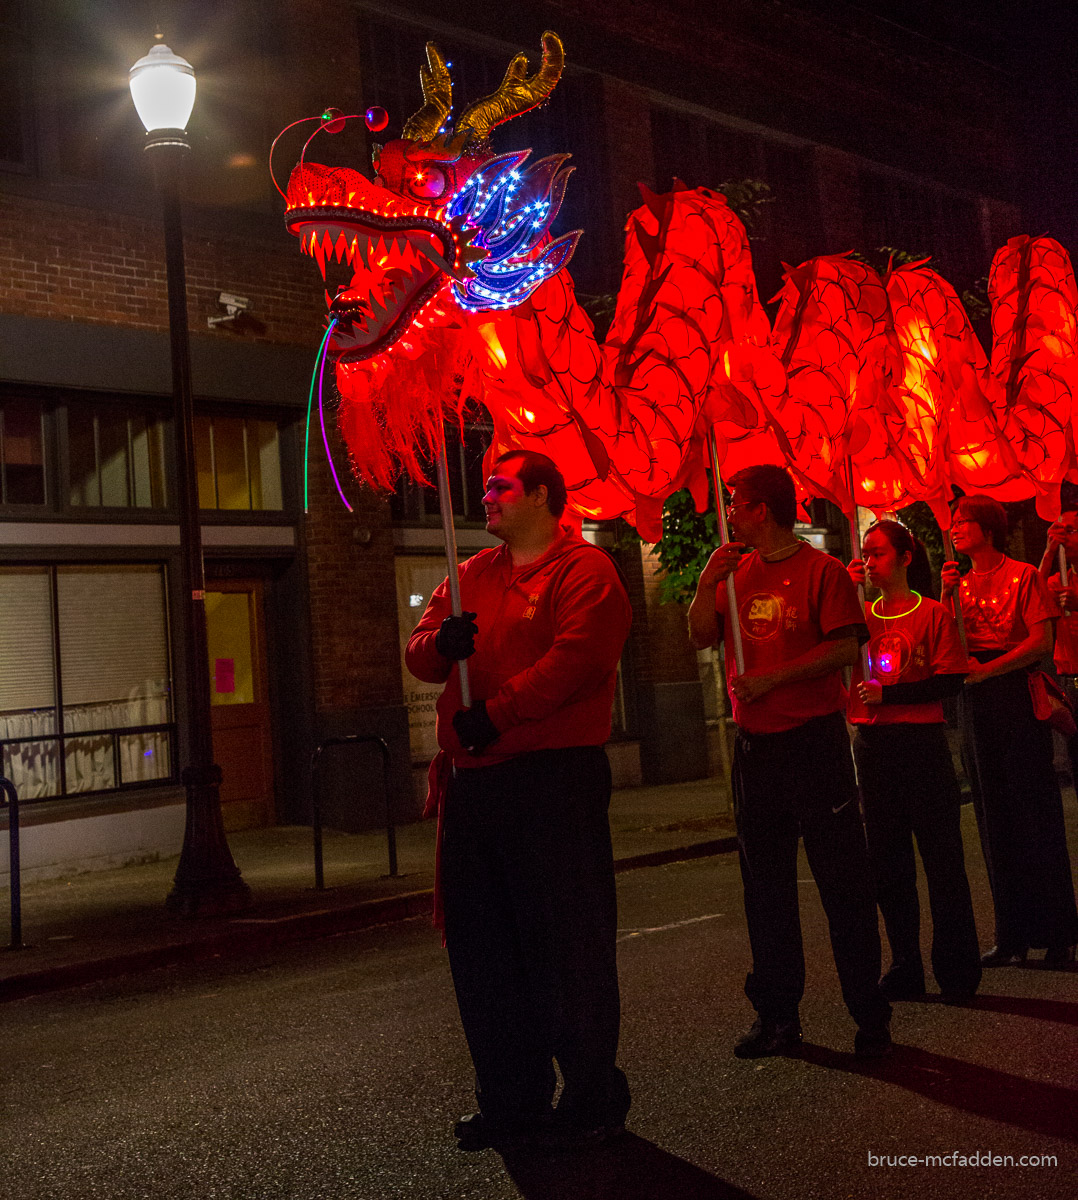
(1044, 1108)
(1061, 1011)
(628, 1169)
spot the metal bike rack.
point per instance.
(11, 797)
(352, 739)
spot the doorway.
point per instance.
(239, 702)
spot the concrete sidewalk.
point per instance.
(106, 923)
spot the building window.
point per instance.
(416, 504)
(706, 152)
(924, 220)
(22, 452)
(85, 684)
(14, 89)
(239, 464)
(116, 458)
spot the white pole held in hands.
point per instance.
(733, 617)
(855, 545)
(948, 553)
(445, 503)
(1063, 572)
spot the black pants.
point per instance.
(800, 783)
(1069, 684)
(531, 926)
(909, 790)
(1019, 810)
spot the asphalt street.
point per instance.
(336, 1069)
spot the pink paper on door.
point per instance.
(224, 675)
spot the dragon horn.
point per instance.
(517, 93)
(437, 86)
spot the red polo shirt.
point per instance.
(785, 608)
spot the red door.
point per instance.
(239, 699)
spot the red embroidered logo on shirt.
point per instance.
(890, 653)
(762, 616)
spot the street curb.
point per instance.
(248, 935)
(659, 858)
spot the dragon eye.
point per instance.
(426, 182)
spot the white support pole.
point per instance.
(733, 617)
(948, 553)
(445, 503)
(855, 546)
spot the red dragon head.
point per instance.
(443, 220)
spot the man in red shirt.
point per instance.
(1064, 532)
(527, 878)
(793, 777)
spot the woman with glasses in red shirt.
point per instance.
(904, 769)
(1009, 614)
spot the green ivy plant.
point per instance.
(688, 539)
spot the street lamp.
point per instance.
(207, 879)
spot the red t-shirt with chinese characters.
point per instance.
(1000, 606)
(1066, 649)
(785, 608)
(920, 642)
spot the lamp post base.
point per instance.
(208, 882)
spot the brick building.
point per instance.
(867, 137)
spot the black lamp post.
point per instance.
(207, 880)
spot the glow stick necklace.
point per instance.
(895, 616)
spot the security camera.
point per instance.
(236, 312)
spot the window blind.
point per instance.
(113, 633)
(26, 662)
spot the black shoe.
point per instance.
(901, 984)
(873, 1041)
(1056, 958)
(1000, 956)
(767, 1038)
(476, 1132)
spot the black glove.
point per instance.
(456, 637)
(474, 728)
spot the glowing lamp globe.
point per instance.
(163, 89)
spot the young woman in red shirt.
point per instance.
(1009, 614)
(904, 768)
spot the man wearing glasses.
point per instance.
(801, 624)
